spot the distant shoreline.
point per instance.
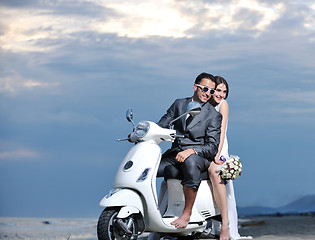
(280, 214)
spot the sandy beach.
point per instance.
(279, 228)
(48, 228)
(265, 227)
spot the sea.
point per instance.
(257, 227)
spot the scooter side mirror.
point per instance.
(193, 108)
(129, 116)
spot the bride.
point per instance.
(218, 100)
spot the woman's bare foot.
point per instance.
(182, 221)
(225, 233)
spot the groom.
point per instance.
(192, 154)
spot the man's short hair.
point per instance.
(204, 75)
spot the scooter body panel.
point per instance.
(205, 202)
(122, 198)
(138, 171)
(163, 225)
(204, 206)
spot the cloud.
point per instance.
(19, 154)
(39, 27)
(310, 19)
(296, 96)
(188, 18)
(147, 18)
(36, 30)
(14, 84)
(298, 110)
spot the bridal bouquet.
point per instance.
(230, 169)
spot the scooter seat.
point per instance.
(171, 172)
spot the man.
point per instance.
(192, 154)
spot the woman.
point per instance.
(221, 105)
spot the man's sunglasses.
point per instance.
(206, 89)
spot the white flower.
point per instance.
(231, 169)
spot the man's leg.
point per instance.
(219, 192)
(190, 196)
(167, 159)
(191, 169)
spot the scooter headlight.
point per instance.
(141, 129)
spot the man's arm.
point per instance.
(212, 138)
(167, 117)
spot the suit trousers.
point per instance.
(190, 170)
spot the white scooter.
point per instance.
(132, 207)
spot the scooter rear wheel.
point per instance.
(109, 227)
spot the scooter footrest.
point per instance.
(199, 223)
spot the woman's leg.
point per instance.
(233, 218)
(219, 192)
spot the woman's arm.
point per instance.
(224, 110)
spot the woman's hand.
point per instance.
(217, 160)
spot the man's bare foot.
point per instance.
(182, 221)
(225, 233)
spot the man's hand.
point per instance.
(181, 156)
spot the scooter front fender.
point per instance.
(129, 200)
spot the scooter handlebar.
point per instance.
(179, 136)
(150, 131)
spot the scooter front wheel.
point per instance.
(109, 227)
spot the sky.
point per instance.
(70, 69)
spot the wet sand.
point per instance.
(262, 228)
(279, 228)
(48, 228)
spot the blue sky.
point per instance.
(70, 69)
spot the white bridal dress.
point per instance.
(233, 218)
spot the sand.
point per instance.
(262, 228)
(48, 228)
(279, 228)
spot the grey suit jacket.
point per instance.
(202, 134)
